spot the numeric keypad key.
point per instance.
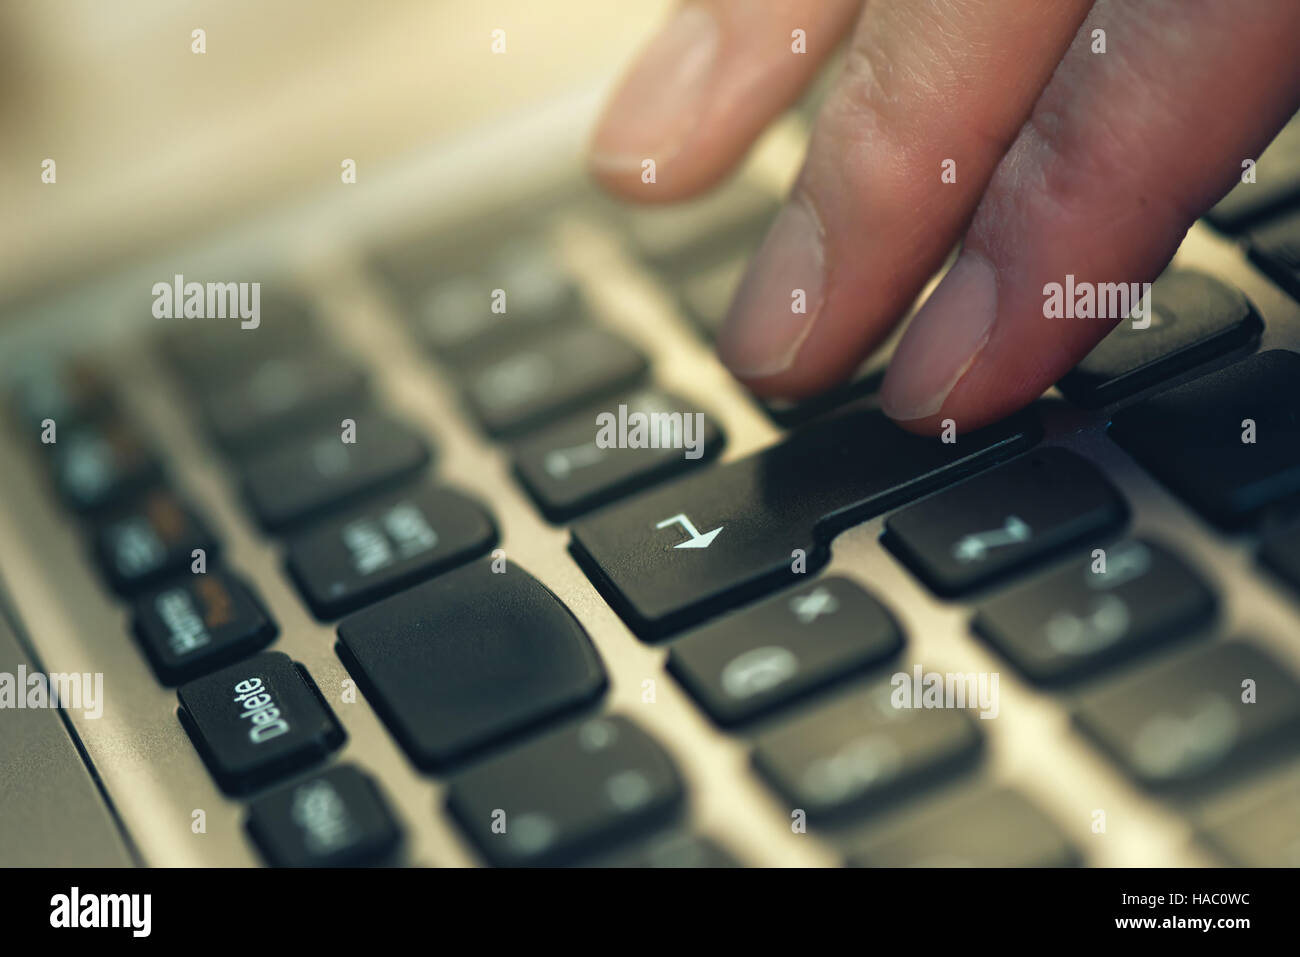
(1105, 606)
(997, 828)
(1186, 720)
(863, 749)
(585, 787)
(997, 523)
(1228, 443)
(785, 646)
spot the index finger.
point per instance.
(699, 95)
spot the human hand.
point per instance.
(1070, 157)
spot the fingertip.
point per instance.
(942, 342)
(929, 426)
(633, 180)
(657, 105)
(705, 87)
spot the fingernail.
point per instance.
(658, 104)
(942, 341)
(780, 297)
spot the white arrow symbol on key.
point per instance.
(975, 546)
(696, 540)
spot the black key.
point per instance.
(519, 290)
(258, 720)
(449, 280)
(548, 376)
(567, 469)
(682, 552)
(1263, 832)
(1282, 555)
(1081, 618)
(1186, 720)
(676, 850)
(65, 392)
(1196, 438)
(101, 465)
(198, 623)
(385, 545)
(1276, 186)
(203, 373)
(997, 828)
(1193, 318)
(154, 538)
(306, 478)
(1004, 520)
(209, 354)
(573, 791)
(281, 397)
(861, 750)
(769, 654)
(1275, 249)
(336, 818)
(469, 658)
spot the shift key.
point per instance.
(708, 542)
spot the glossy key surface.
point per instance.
(698, 546)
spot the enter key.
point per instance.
(689, 550)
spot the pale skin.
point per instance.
(1068, 161)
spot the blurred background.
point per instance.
(153, 141)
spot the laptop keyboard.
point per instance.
(491, 685)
